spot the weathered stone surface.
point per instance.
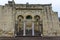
(48, 18)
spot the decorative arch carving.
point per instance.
(37, 17)
(20, 17)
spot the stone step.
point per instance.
(30, 38)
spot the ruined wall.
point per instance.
(6, 21)
(50, 22)
(49, 18)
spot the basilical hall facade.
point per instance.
(28, 20)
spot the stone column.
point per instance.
(24, 31)
(32, 28)
(18, 26)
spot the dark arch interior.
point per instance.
(28, 17)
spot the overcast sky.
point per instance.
(55, 3)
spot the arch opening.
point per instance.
(29, 17)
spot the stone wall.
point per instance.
(6, 22)
(9, 14)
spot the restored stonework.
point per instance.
(11, 13)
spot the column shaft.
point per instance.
(32, 28)
(24, 31)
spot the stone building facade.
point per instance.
(28, 20)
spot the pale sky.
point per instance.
(55, 3)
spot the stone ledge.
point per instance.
(30, 38)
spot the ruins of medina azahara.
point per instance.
(28, 20)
